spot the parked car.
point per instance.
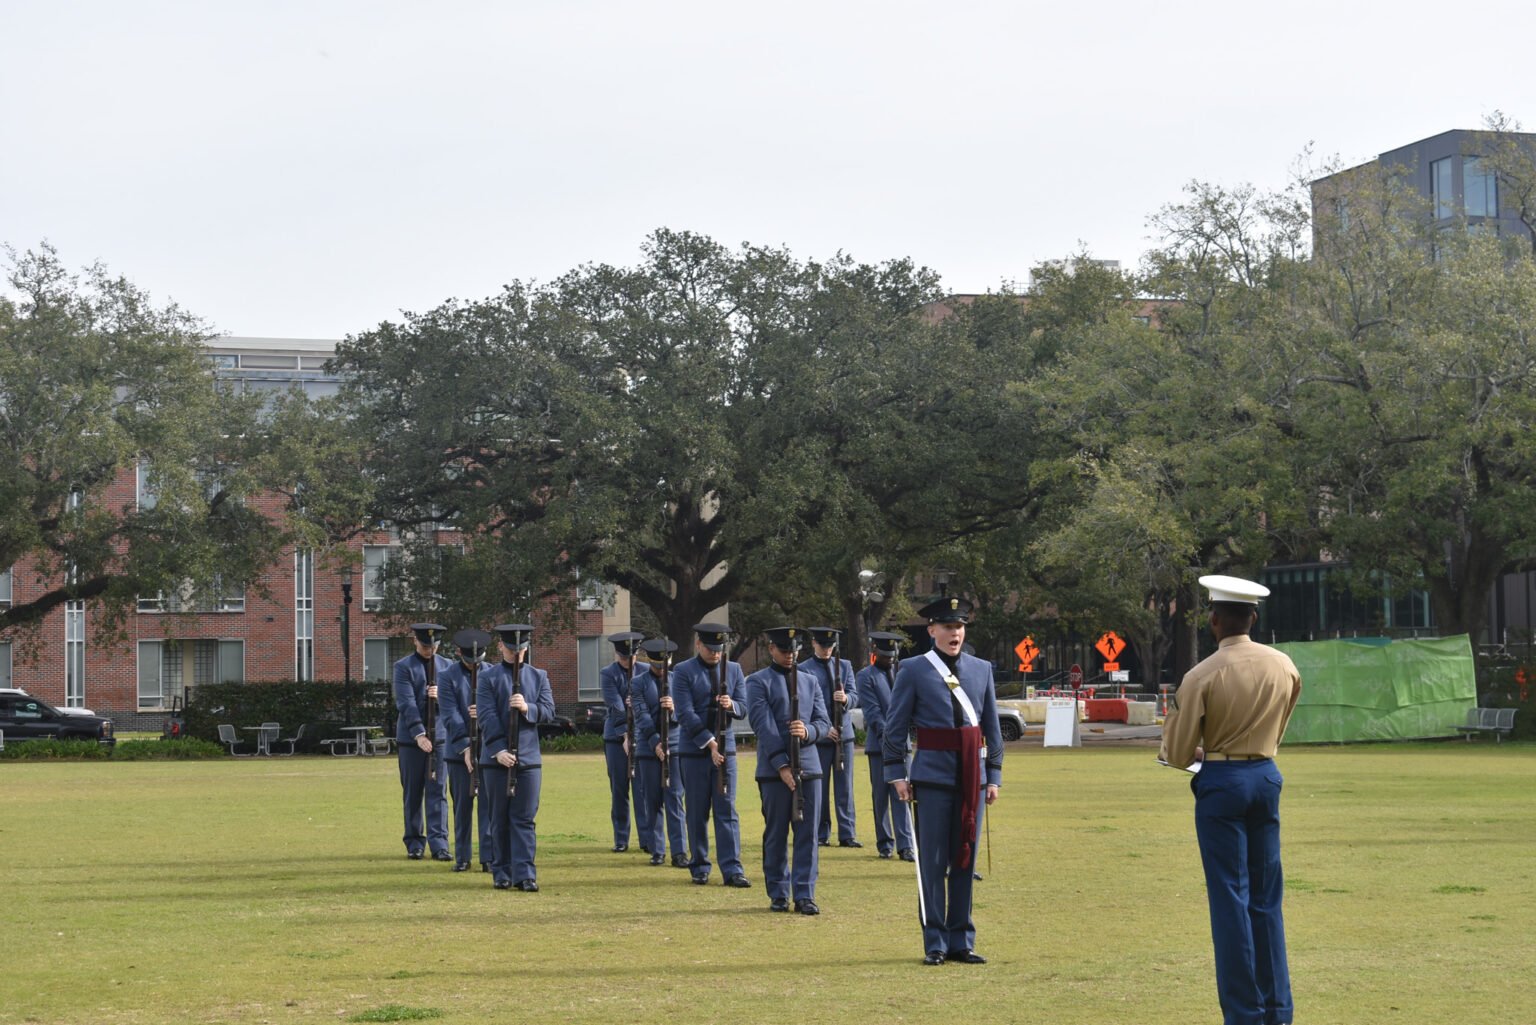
(595, 718)
(559, 726)
(23, 717)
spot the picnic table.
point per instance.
(264, 737)
(358, 743)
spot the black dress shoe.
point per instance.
(620, 848)
(906, 854)
(933, 957)
(823, 843)
(528, 886)
(658, 859)
(885, 854)
(966, 957)
(485, 866)
(503, 884)
(413, 855)
(461, 866)
(779, 904)
(807, 907)
(644, 848)
(700, 880)
(740, 882)
(976, 876)
(441, 856)
(679, 861)
(850, 842)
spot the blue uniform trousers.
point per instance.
(417, 791)
(1237, 821)
(947, 926)
(621, 787)
(469, 815)
(512, 837)
(777, 809)
(889, 810)
(702, 797)
(840, 788)
(659, 814)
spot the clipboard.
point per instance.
(1191, 768)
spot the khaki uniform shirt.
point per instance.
(1237, 702)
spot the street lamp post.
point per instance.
(871, 598)
(346, 647)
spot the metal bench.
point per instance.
(338, 745)
(230, 739)
(1497, 721)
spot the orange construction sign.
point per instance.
(1027, 652)
(1110, 646)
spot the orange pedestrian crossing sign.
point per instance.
(1110, 646)
(1027, 652)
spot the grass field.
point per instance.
(278, 891)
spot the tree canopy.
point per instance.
(98, 383)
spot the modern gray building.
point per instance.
(1458, 174)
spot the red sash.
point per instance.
(967, 741)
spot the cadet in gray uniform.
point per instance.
(778, 723)
(661, 794)
(893, 826)
(835, 675)
(512, 700)
(456, 698)
(420, 754)
(614, 680)
(707, 752)
(947, 699)
(1231, 710)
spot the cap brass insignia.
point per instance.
(954, 603)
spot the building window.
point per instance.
(380, 655)
(375, 558)
(160, 665)
(593, 595)
(304, 614)
(143, 493)
(222, 598)
(376, 664)
(1442, 192)
(74, 654)
(589, 657)
(1480, 187)
(5, 664)
(5, 589)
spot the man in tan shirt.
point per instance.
(1230, 713)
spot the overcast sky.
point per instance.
(309, 169)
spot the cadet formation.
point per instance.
(468, 735)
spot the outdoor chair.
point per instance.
(230, 739)
(269, 733)
(293, 741)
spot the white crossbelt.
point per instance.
(953, 683)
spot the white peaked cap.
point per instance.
(1234, 589)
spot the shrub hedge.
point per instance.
(317, 702)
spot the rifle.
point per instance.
(514, 727)
(664, 720)
(629, 721)
(797, 794)
(431, 718)
(474, 732)
(721, 724)
(839, 708)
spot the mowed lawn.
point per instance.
(276, 890)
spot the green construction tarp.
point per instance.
(1352, 690)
